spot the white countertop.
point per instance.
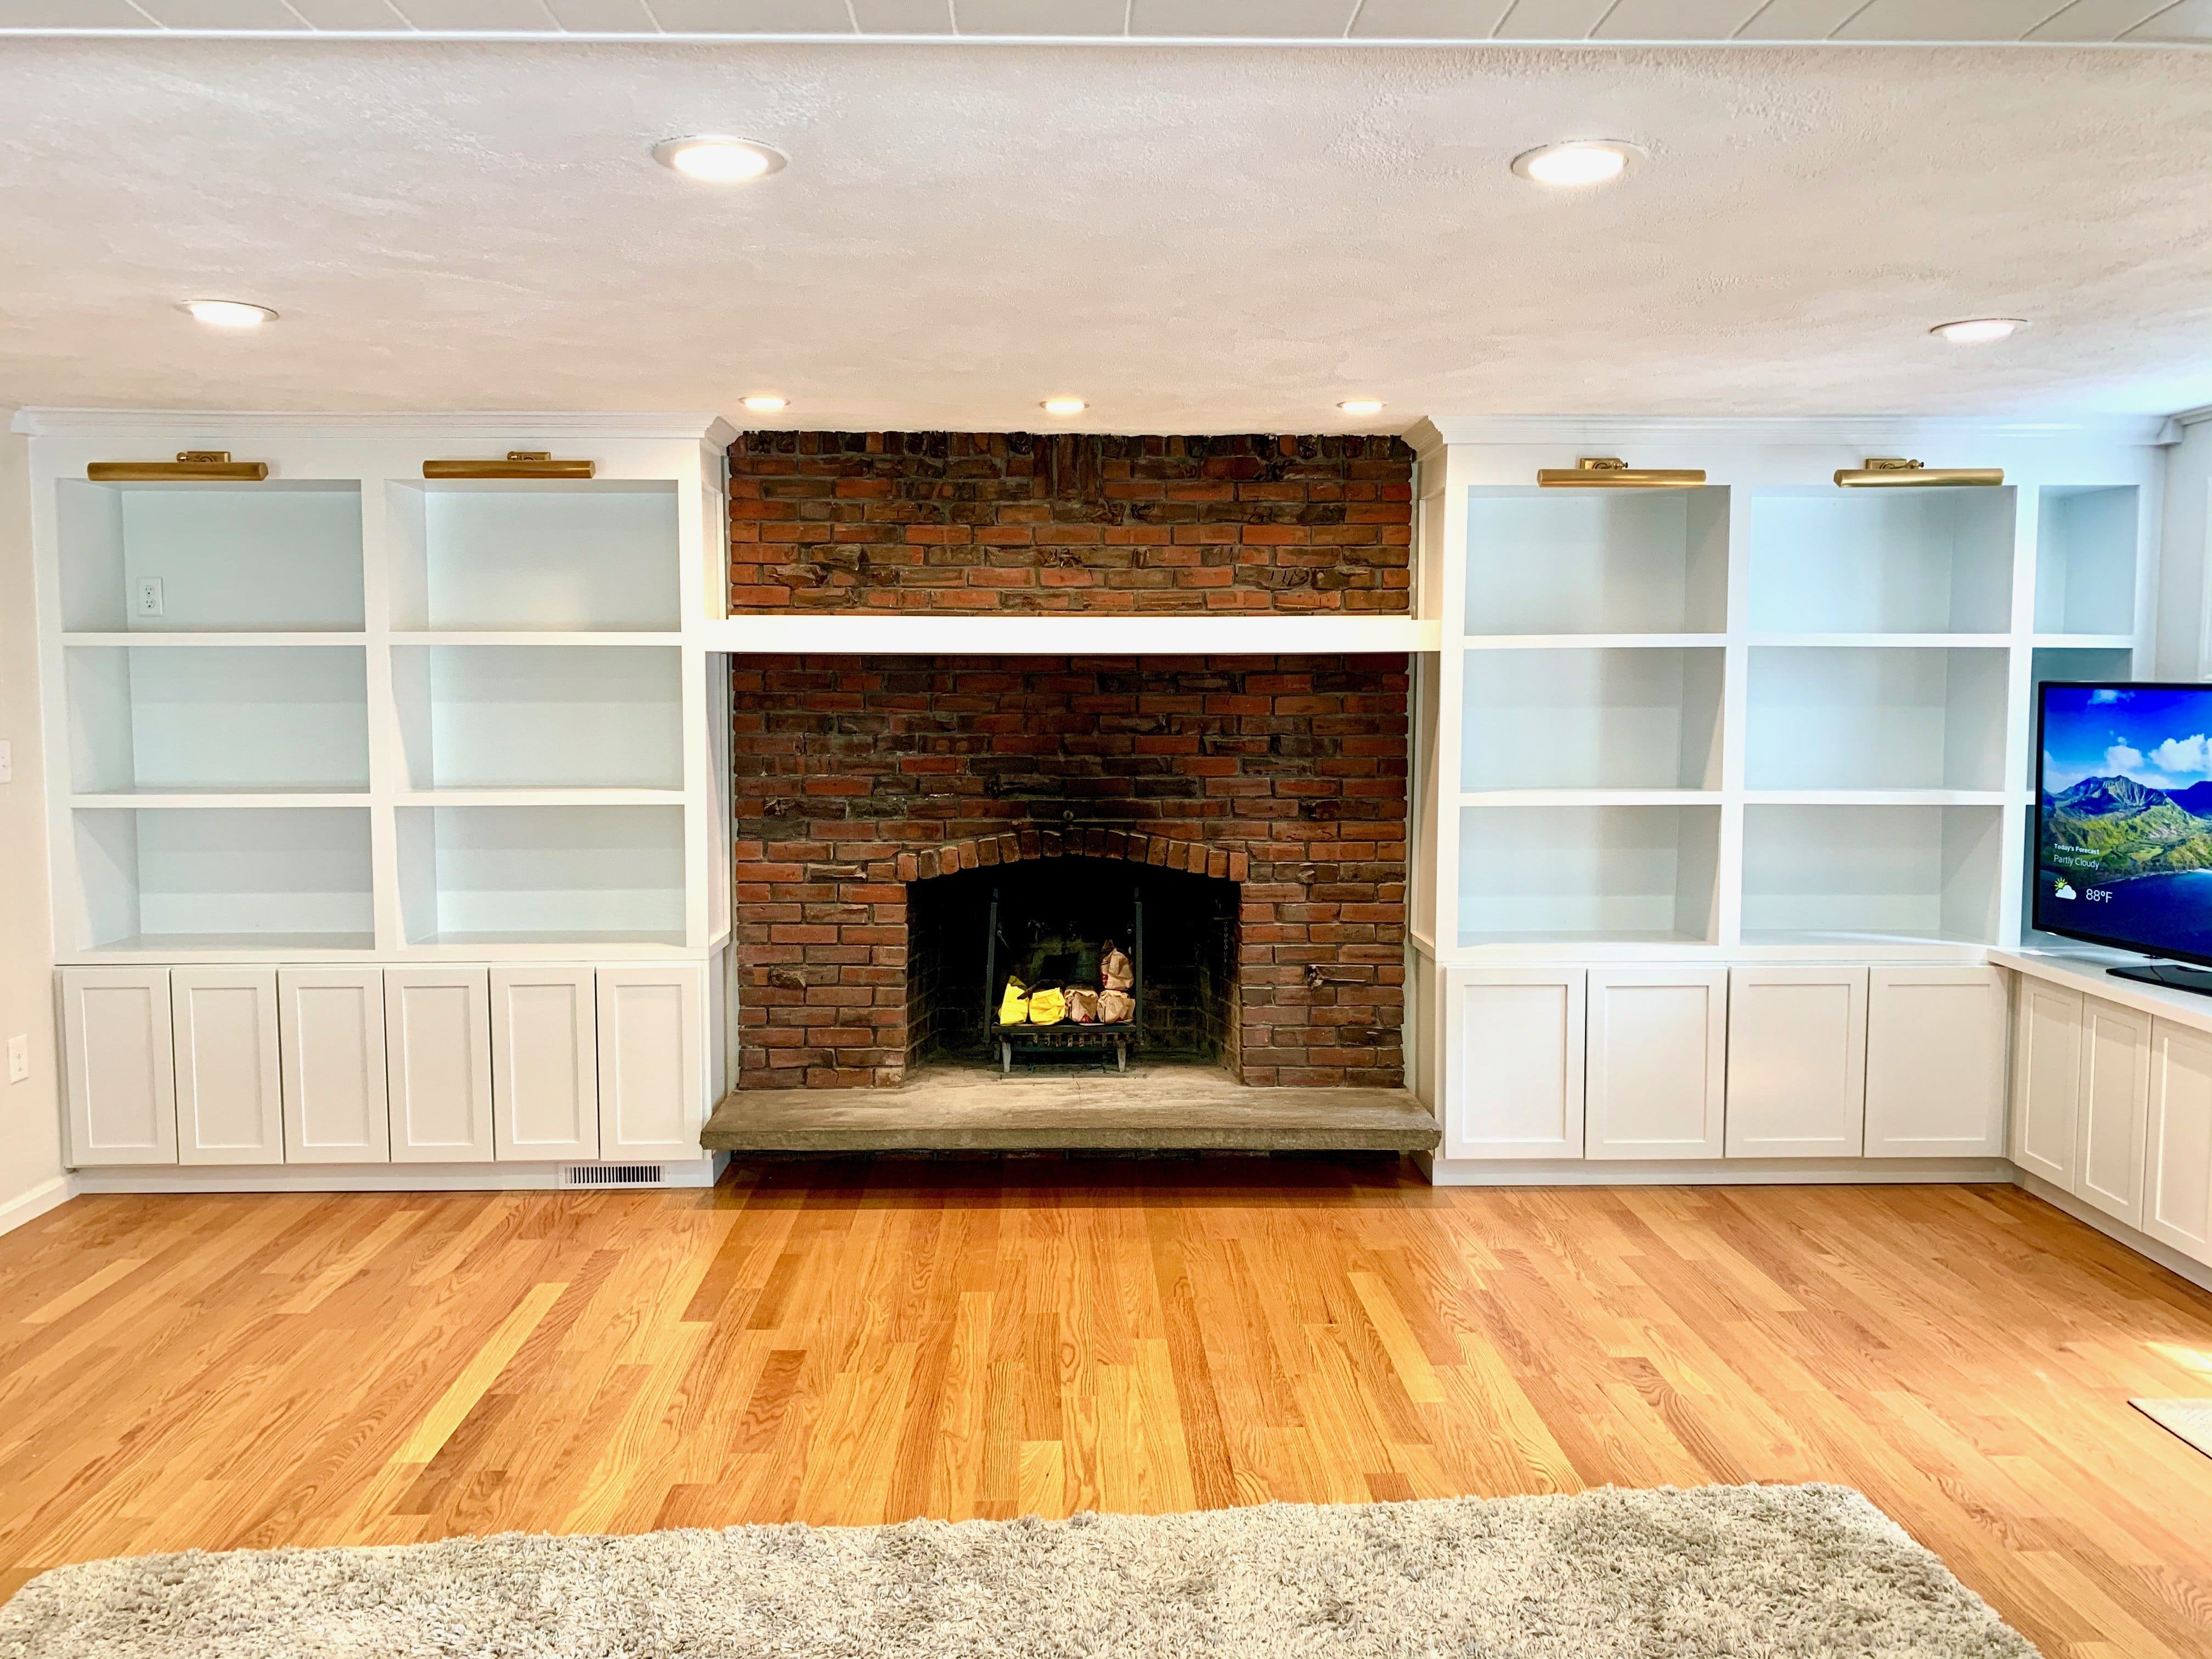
(2082, 967)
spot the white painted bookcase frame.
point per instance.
(1764, 726)
(484, 730)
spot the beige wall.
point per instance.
(30, 1133)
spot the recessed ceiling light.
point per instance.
(1064, 405)
(1361, 405)
(765, 404)
(1977, 331)
(1582, 162)
(229, 313)
(717, 160)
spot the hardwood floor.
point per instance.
(835, 1342)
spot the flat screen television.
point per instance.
(2124, 822)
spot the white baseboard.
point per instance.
(29, 1206)
(377, 1178)
(1713, 1172)
(2196, 1273)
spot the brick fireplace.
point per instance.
(1252, 806)
(862, 780)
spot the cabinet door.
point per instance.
(1658, 1062)
(2177, 1207)
(122, 1073)
(2046, 1079)
(437, 1029)
(652, 1072)
(2115, 1100)
(1936, 1062)
(330, 1026)
(1514, 1040)
(229, 1092)
(545, 1063)
(1796, 1062)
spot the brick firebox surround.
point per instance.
(898, 523)
(855, 775)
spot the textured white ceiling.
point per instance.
(1953, 20)
(1206, 239)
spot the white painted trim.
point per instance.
(1151, 636)
(392, 1178)
(1719, 1172)
(43, 423)
(1427, 434)
(1610, 44)
(2196, 1273)
(46, 1195)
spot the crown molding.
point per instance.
(1850, 430)
(491, 424)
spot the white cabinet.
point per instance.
(1936, 1062)
(653, 1076)
(2115, 1101)
(2177, 1197)
(331, 1034)
(437, 1025)
(2046, 1079)
(545, 1063)
(1796, 1062)
(229, 1094)
(1514, 1042)
(1658, 1062)
(122, 1075)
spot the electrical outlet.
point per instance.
(6, 761)
(147, 593)
(19, 1060)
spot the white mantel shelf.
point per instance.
(1150, 637)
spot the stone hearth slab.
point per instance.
(1151, 1108)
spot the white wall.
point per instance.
(2181, 622)
(31, 1179)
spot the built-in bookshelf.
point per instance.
(352, 710)
(1766, 717)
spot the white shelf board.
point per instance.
(1879, 797)
(614, 636)
(2083, 642)
(579, 938)
(1148, 637)
(232, 640)
(1589, 797)
(216, 798)
(1885, 642)
(174, 947)
(539, 797)
(1872, 939)
(1592, 641)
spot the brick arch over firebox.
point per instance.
(1169, 852)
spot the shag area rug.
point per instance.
(1753, 1572)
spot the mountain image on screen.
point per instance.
(2104, 827)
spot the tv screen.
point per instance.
(2124, 820)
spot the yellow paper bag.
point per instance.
(1014, 1006)
(1048, 1007)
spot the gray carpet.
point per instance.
(1753, 1572)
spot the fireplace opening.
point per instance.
(1055, 919)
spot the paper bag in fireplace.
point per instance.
(1115, 971)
